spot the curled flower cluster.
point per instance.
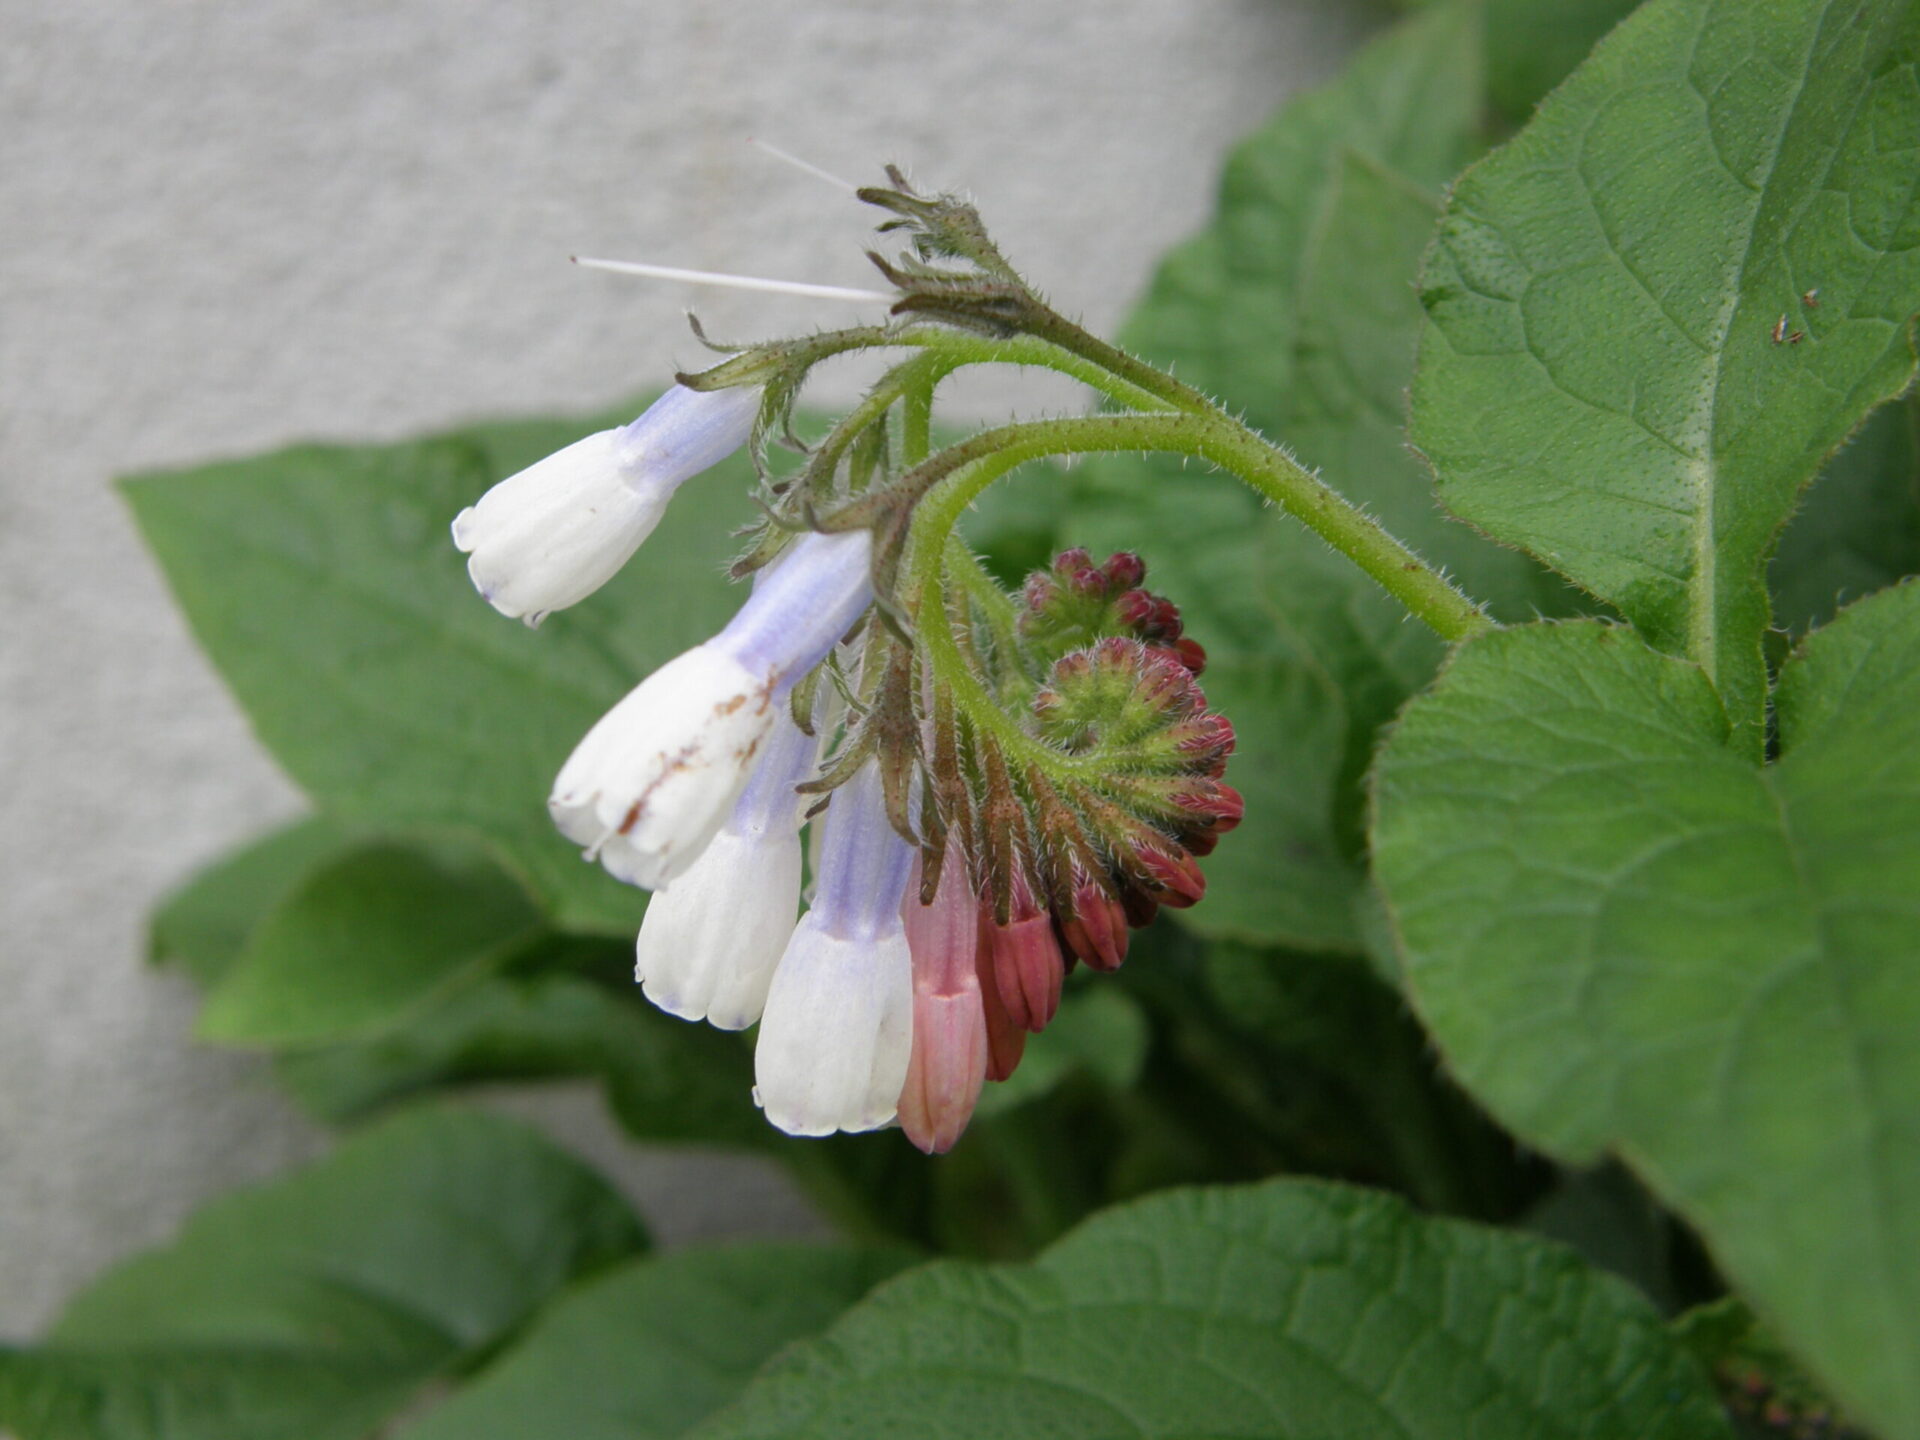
(1004, 785)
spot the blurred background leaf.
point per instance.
(316, 1306)
(647, 1350)
(323, 584)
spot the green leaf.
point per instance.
(310, 1308)
(666, 1080)
(1289, 1309)
(322, 582)
(203, 926)
(364, 942)
(649, 1350)
(1532, 45)
(1224, 304)
(1601, 384)
(1623, 934)
(1859, 530)
(1296, 305)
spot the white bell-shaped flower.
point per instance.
(654, 780)
(838, 1027)
(709, 942)
(552, 534)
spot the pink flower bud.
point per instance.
(1125, 570)
(1206, 741)
(1069, 562)
(949, 1059)
(1088, 582)
(1218, 804)
(1096, 931)
(1027, 968)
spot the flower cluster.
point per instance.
(1003, 784)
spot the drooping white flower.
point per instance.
(838, 1027)
(653, 781)
(709, 941)
(554, 533)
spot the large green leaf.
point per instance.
(1623, 933)
(665, 1080)
(204, 925)
(649, 1350)
(323, 583)
(365, 941)
(1603, 383)
(311, 1308)
(1295, 306)
(1281, 1311)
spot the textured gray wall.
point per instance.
(228, 226)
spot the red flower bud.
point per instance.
(1125, 569)
(1134, 608)
(1221, 805)
(1088, 581)
(1096, 931)
(1006, 1041)
(1177, 876)
(1206, 741)
(1027, 967)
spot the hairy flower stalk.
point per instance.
(1044, 762)
(554, 533)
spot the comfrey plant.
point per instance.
(1587, 912)
(1045, 765)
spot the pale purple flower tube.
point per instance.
(552, 534)
(651, 784)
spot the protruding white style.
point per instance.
(838, 1028)
(651, 784)
(709, 941)
(554, 533)
(786, 157)
(735, 282)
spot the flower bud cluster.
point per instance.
(1076, 602)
